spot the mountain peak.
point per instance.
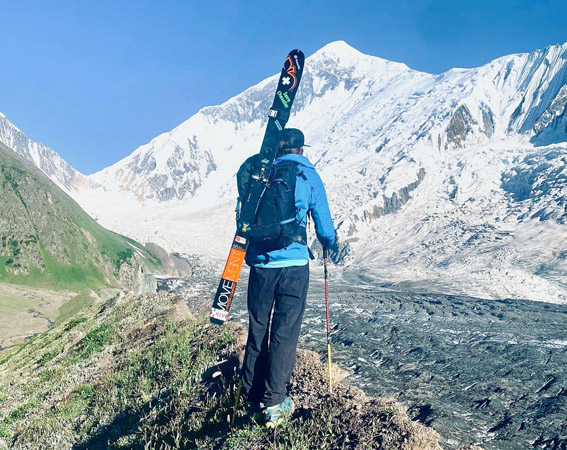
(338, 49)
(344, 54)
(43, 157)
(559, 47)
(557, 51)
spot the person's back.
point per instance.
(278, 286)
(310, 197)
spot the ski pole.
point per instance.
(328, 323)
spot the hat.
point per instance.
(293, 138)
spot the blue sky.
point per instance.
(96, 79)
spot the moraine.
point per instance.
(490, 372)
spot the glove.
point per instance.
(335, 247)
(333, 251)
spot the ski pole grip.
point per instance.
(325, 251)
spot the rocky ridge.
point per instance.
(143, 370)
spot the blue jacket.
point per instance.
(310, 195)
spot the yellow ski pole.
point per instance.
(325, 252)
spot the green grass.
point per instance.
(16, 322)
(136, 379)
(77, 304)
(5, 260)
(19, 412)
(10, 305)
(144, 397)
(55, 275)
(123, 256)
(86, 255)
(46, 375)
(94, 341)
(48, 356)
(243, 436)
(77, 402)
(74, 322)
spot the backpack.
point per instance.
(247, 169)
(275, 224)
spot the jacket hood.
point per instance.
(300, 159)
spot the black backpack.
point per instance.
(275, 225)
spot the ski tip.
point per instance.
(217, 321)
(298, 57)
(296, 52)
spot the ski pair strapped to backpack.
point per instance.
(277, 118)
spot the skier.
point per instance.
(278, 283)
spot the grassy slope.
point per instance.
(26, 311)
(141, 372)
(45, 233)
(16, 322)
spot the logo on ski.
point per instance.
(291, 71)
(297, 62)
(227, 288)
(240, 239)
(233, 265)
(219, 314)
(284, 98)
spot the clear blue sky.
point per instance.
(94, 79)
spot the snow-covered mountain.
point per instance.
(43, 157)
(453, 182)
(367, 102)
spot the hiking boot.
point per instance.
(255, 411)
(277, 414)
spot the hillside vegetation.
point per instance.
(26, 311)
(143, 372)
(47, 240)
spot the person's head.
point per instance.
(292, 141)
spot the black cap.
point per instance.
(293, 138)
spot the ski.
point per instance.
(278, 116)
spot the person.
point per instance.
(277, 293)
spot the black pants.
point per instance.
(270, 350)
